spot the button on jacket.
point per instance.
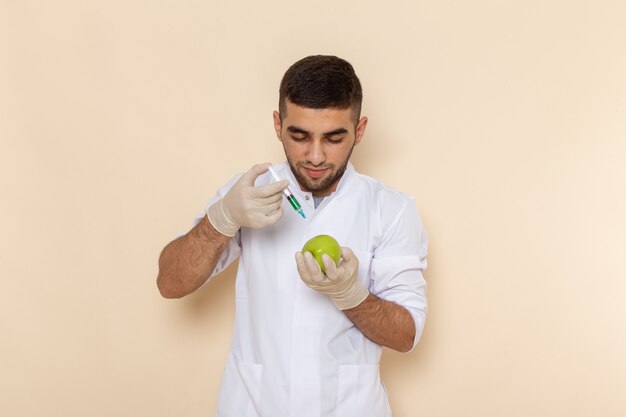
(293, 352)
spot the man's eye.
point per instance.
(298, 138)
(335, 141)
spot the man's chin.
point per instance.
(314, 185)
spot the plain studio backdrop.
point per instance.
(506, 120)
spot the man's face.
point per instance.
(318, 144)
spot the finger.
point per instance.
(275, 216)
(273, 198)
(347, 255)
(274, 206)
(300, 266)
(265, 201)
(329, 265)
(303, 271)
(312, 265)
(252, 174)
(269, 190)
(268, 209)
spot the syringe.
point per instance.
(290, 197)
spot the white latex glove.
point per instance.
(245, 205)
(340, 282)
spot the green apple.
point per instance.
(323, 244)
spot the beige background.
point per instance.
(505, 119)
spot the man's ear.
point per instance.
(360, 130)
(277, 125)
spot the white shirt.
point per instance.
(293, 352)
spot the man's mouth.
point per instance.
(315, 172)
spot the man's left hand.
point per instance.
(340, 282)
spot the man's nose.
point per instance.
(316, 154)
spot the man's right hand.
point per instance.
(245, 205)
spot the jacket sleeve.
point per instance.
(399, 260)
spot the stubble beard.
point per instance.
(323, 184)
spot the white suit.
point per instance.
(293, 352)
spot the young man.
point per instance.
(308, 343)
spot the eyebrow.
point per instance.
(294, 129)
(338, 131)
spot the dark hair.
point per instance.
(321, 82)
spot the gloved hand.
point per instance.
(340, 282)
(245, 205)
